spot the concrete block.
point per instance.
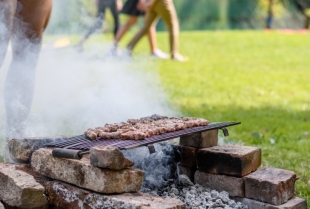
(234, 160)
(83, 174)
(233, 185)
(188, 155)
(66, 196)
(188, 171)
(20, 189)
(271, 185)
(294, 203)
(21, 149)
(200, 140)
(108, 157)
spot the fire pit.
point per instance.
(81, 142)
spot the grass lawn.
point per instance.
(256, 77)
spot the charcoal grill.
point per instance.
(81, 142)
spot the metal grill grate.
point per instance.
(81, 142)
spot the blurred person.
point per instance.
(304, 7)
(22, 22)
(114, 6)
(270, 14)
(134, 9)
(166, 10)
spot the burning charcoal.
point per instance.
(214, 194)
(224, 196)
(184, 180)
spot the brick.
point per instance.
(188, 171)
(200, 140)
(108, 157)
(188, 155)
(271, 185)
(233, 185)
(294, 203)
(19, 189)
(83, 174)
(66, 196)
(234, 160)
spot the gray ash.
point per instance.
(162, 179)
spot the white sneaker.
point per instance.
(158, 53)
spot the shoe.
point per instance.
(159, 54)
(127, 55)
(79, 48)
(113, 52)
(179, 58)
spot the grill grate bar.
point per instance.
(81, 142)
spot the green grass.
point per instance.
(258, 78)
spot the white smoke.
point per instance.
(74, 92)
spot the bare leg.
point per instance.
(7, 13)
(166, 11)
(150, 18)
(123, 29)
(26, 43)
(152, 36)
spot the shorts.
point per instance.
(130, 8)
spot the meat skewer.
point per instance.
(137, 129)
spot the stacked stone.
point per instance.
(102, 179)
(236, 170)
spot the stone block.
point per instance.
(234, 160)
(271, 185)
(188, 155)
(294, 203)
(20, 189)
(21, 149)
(200, 140)
(66, 196)
(83, 174)
(188, 171)
(108, 157)
(233, 185)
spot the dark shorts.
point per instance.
(130, 8)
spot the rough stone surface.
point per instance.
(271, 185)
(20, 189)
(1, 206)
(21, 149)
(200, 140)
(188, 171)
(234, 160)
(66, 196)
(294, 203)
(188, 155)
(233, 185)
(83, 174)
(108, 157)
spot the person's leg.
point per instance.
(149, 19)
(101, 7)
(152, 36)
(123, 29)
(7, 13)
(27, 31)
(166, 10)
(114, 11)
